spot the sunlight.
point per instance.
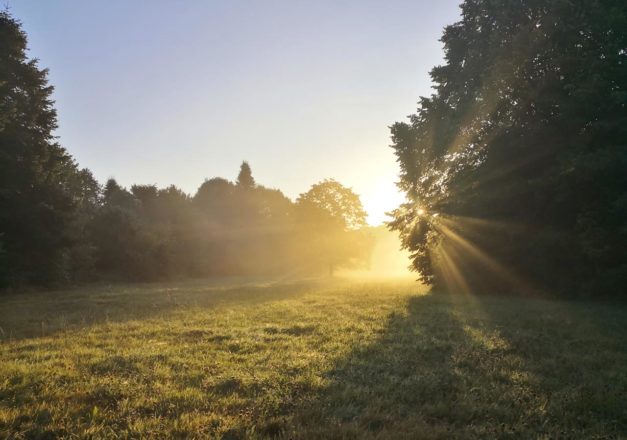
(379, 197)
(456, 248)
(286, 220)
(476, 252)
(470, 248)
(387, 259)
(481, 223)
(451, 273)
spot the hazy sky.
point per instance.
(173, 92)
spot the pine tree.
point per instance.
(36, 174)
(245, 177)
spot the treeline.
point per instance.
(58, 224)
(226, 228)
(516, 166)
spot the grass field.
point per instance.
(308, 359)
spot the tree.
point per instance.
(245, 177)
(114, 196)
(213, 194)
(87, 199)
(145, 194)
(329, 217)
(37, 202)
(116, 233)
(330, 201)
(516, 167)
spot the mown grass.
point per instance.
(308, 360)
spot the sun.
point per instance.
(381, 197)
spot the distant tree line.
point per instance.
(515, 167)
(58, 224)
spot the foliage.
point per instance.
(149, 233)
(40, 185)
(331, 219)
(516, 167)
(258, 359)
(330, 202)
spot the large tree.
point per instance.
(516, 167)
(330, 220)
(330, 201)
(38, 195)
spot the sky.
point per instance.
(174, 92)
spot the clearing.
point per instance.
(308, 359)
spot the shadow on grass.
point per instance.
(37, 314)
(442, 366)
(468, 367)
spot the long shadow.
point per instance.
(402, 386)
(46, 313)
(460, 367)
(573, 360)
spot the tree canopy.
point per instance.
(331, 219)
(41, 188)
(516, 167)
(331, 201)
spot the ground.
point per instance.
(308, 359)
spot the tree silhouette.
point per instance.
(37, 176)
(516, 168)
(245, 177)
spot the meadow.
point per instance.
(342, 359)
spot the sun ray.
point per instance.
(455, 243)
(451, 273)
